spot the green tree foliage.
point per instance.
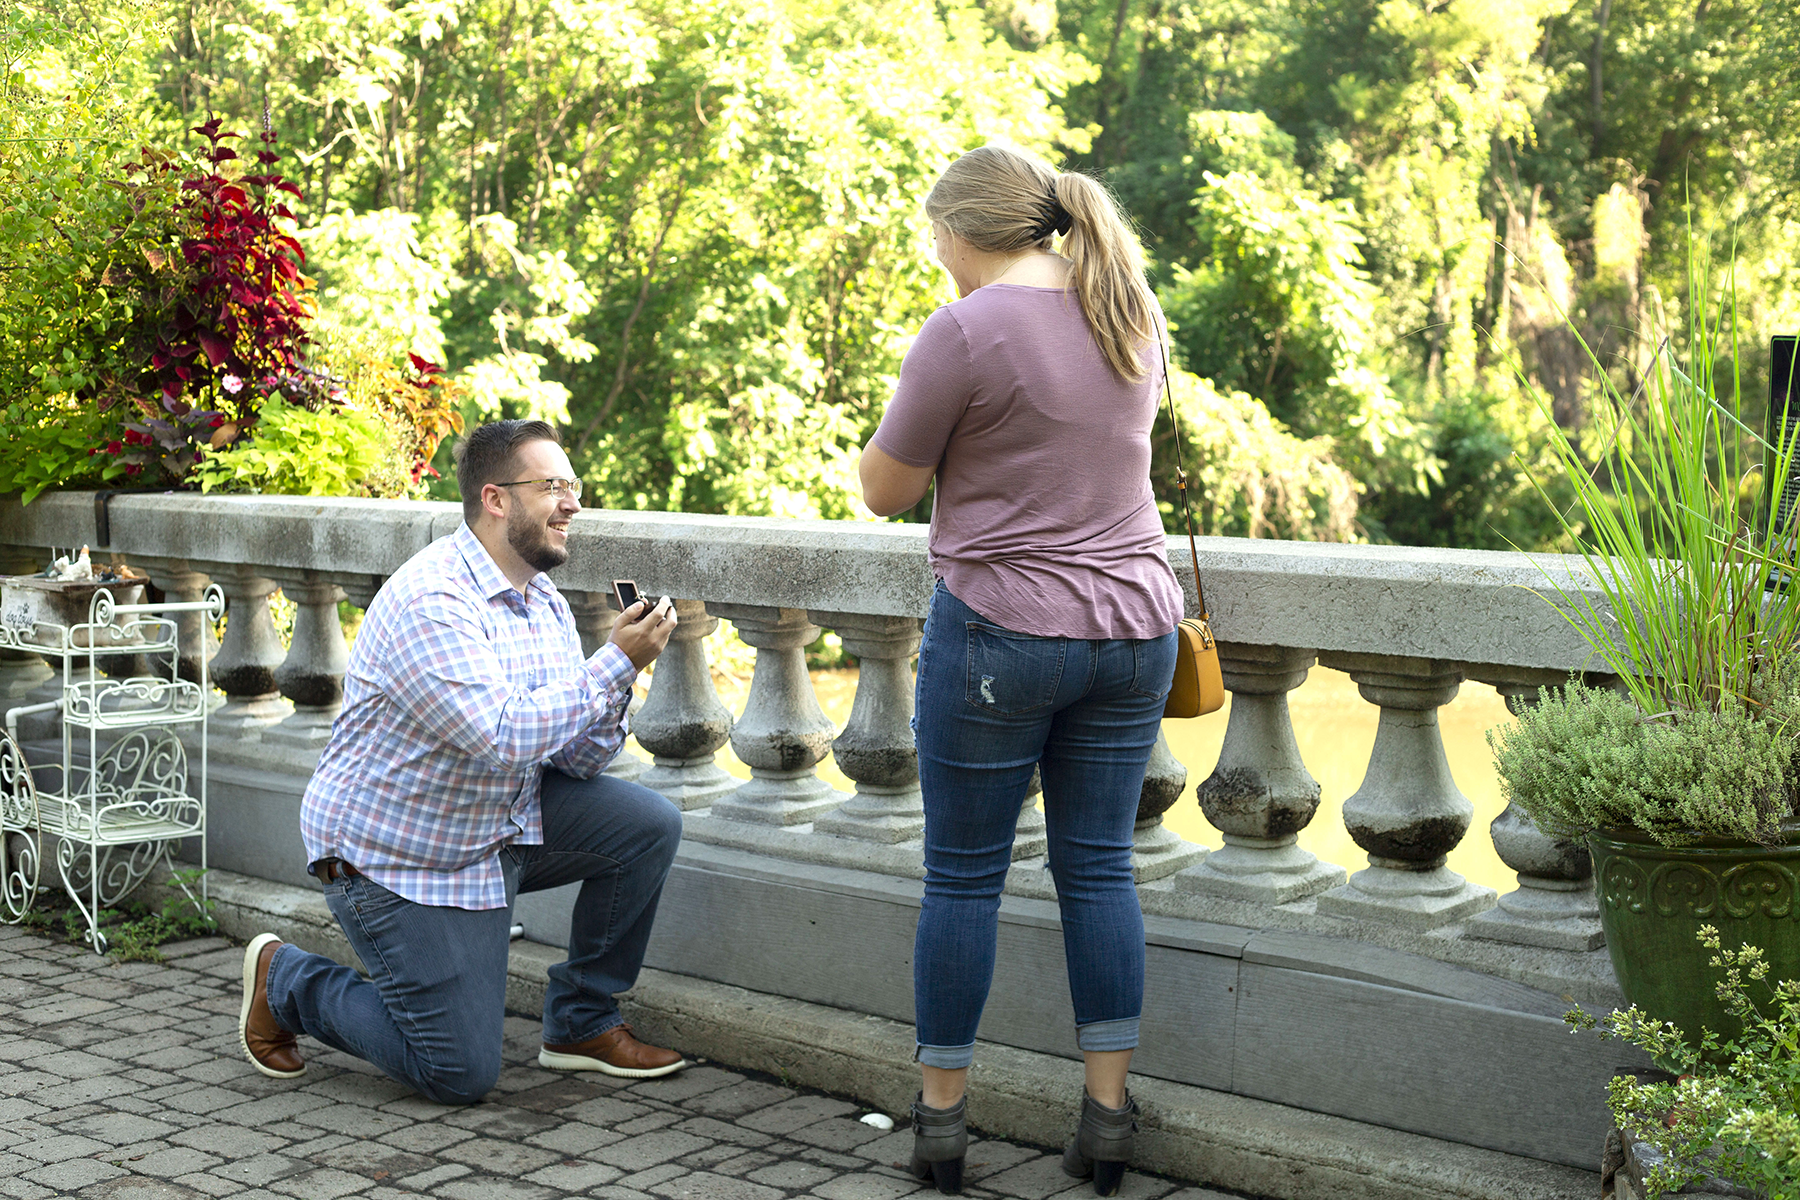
(1503, 168)
(1248, 476)
(1281, 309)
(78, 240)
(688, 233)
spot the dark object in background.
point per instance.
(1783, 419)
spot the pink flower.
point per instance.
(232, 384)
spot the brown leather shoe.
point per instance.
(615, 1052)
(270, 1048)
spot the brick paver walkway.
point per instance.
(125, 1082)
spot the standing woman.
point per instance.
(1050, 643)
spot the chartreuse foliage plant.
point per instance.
(1734, 1109)
(50, 444)
(295, 450)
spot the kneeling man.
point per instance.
(464, 769)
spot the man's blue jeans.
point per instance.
(431, 1012)
(992, 704)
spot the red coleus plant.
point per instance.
(234, 329)
(431, 409)
(243, 317)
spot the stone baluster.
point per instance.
(594, 613)
(244, 668)
(782, 735)
(1031, 836)
(1156, 852)
(179, 582)
(683, 723)
(1261, 795)
(359, 589)
(1554, 906)
(1408, 814)
(312, 674)
(876, 747)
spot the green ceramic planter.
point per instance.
(1654, 899)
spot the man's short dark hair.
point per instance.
(486, 454)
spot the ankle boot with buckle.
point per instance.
(1102, 1144)
(940, 1140)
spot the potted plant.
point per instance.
(1730, 1113)
(1684, 786)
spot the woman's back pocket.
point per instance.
(1012, 672)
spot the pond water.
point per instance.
(1335, 728)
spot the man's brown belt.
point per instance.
(330, 868)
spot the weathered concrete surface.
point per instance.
(1192, 1133)
(1466, 606)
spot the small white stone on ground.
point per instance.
(879, 1121)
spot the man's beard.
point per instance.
(531, 542)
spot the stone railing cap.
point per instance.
(1472, 606)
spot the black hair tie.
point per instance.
(1056, 219)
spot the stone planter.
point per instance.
(36, 611)
(1655, 898)
(1627, 1163)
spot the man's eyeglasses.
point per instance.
(558, 487)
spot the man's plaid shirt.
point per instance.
(459, 690)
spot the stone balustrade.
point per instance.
(1410, 626)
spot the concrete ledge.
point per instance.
(1193, 1133)
(1474, 607)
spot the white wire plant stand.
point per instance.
(113, 813)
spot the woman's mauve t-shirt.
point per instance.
(1044, 521)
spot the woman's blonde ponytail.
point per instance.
(1108, 273)
(1000, 200)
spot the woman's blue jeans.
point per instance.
(991, 705)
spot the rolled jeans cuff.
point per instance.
(945, 1058)
(1107, 1035)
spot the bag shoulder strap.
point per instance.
(1181, 479)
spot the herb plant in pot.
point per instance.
(1684, 782)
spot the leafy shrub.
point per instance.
(1482, 498)
(80, 243)
(153, 309)
(1734, 1110)
(417, 402)
(1250, 477)
(297, 451)
(227, 329)
(1283, 309)
(1586, 759)
(50, 444)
